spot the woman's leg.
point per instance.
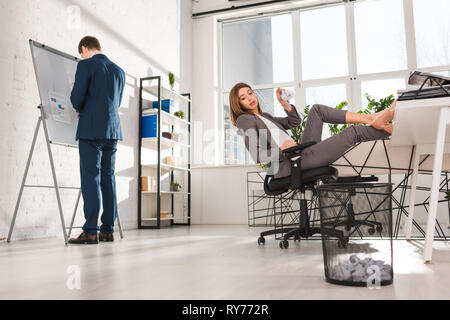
(320, 113)
(317, 115)
(328, 151)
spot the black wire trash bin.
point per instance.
(356, 224)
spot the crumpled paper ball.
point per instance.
(287, 95)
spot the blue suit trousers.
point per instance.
(98, 183)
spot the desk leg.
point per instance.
(412, 194)
(437, 167)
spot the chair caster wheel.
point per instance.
(261, 240)
(371, 231)
(284, 244)
(379, 228)
(297, 239)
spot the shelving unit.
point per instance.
(148, 217)
(165, 143)
(168, 192)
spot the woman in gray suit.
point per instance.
(265, 135)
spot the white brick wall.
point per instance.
(141, 36)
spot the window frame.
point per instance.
(254, 87)
(352, 82)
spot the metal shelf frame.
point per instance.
(160, 92)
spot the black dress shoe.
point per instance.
(84, 238)
(106, 237)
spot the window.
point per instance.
(234, 148)
(324, 56)
(269, 102)
(445, 73)
(380, 36)
(379, 89)
(323, 43)
(258, 51)
(330, 96)
(337, 60)
(432, 27)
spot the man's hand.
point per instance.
(288, 144)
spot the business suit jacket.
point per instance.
(96, 95)
(260, 144)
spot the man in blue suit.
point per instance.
(96, 96)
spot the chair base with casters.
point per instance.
(351, 222)
(348, 220)
(277, 187)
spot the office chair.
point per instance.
(302, 180)
(299, 180)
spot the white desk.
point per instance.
(423, 124)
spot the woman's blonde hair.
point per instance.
(235, 105)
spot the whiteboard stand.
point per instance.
(55, 184)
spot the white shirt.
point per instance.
(278, 135)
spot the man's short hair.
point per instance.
(90, 43)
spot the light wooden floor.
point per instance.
(203, 262)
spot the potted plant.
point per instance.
(264, 165)
(296, 133)
(175, 186)
(171, 80)
(377, 106)
(372, 107)
(179, 114)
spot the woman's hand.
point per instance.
(280, 99)
(288, 144)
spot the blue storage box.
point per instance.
(166, 105)
(150, 126)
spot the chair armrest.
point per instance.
(296, 150)
(294, 156)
